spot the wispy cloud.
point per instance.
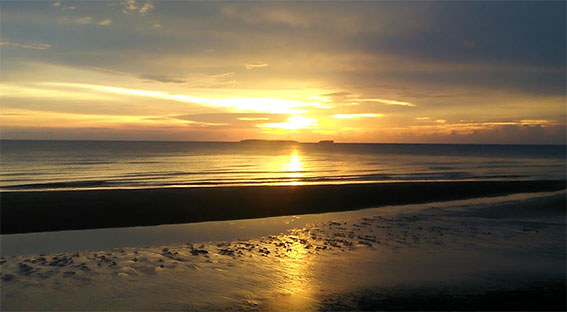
(266, 15)
(293, 123)
(77, 20)
(146, 7)
(57, 4)
(131, 6)
(249, 104)
(349, 99)
(387, 102)
(255, 65)
(222, 78)
(252, 118)
(31, 45)
(162, 78)
(356, 116)
(84, 20)
(105, 22)
(233, 118)
(128, 5)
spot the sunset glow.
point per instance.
(97, 71)
(293, 123)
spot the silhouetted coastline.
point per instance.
(40, 211)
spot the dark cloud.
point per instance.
(549, 83)
(510, 134)
(520, 33)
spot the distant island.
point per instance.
(267, 141)
(281, 141)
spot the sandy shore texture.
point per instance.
(24, 212)
(498, 256)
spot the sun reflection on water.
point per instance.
(294, 166)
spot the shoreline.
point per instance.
(229, 230)
(505, 254)
(43, 211)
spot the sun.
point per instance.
(295, 122)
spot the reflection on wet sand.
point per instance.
(295, 285)
(459, 251)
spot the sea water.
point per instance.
(64, 165)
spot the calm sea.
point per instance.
(40, 165)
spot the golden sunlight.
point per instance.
(293, 166)
(295, 122)
(356, 116)
(245, 104)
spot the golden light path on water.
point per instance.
(294, 168)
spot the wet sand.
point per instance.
(24, 212)
(473, 256)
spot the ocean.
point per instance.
(74, 165)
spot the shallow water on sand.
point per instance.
(456, 248)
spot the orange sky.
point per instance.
(479, 72)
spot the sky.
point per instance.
(374, 71)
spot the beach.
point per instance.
(497, 253)
(39, 211)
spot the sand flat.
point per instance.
(456, 251)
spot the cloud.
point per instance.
(131, 6)
(256, 15)
(252, 118)
(146, 7)
(162, 78)
(255, 65)
(490, 133)
(387, 102)
(31, 45)
(205, 124)
(349, 99)
(295, 122)
(197, 80)
(338, 94)
(232, 117)
(224, 77)
(233, 120)
(105, 22)
(78, 20)
(57, 4)
(238, 104)
(86, 20)
(128, 5)
(356, 116)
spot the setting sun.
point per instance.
(295, 122)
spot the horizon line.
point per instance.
(284, 142)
